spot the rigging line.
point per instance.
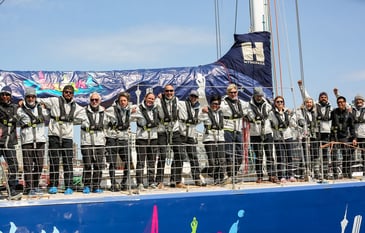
(278, 45)
(217, 29)
(299, 44)
(275, 87)
(288, 52)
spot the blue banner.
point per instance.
(246, 64)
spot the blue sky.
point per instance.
(71, 35)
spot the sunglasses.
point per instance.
(30, 96)
(233, 92)
(5, 94)
(68, 92)
(169, 90)
(94, 100)
(279, 102)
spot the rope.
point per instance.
(217, 29)
(331, 144)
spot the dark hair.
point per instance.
(341, 97)
(279, 97)
(124, 94)
(215, 97)
(69, 87)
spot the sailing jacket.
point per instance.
(307, 122)
(93, 126)
(259, 118)
(342, 125)
(147, 122)
(359, 121)
(234, 111)
(323, 117)
(32, 123)
(213, 125)
(8, 121)
(168, 113)
(62, 123)
(282, 123)
(119, 122)
(188, 118)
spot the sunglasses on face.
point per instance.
(169, 90)
(30, 96)
(233, 92)
(279, 102)
(5, 94)
(68, 92)
(94, 100)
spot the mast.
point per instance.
(259, 16)
(260, 20)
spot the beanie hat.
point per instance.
(194, 93)
(359, 97)
(258, 91)
(30, 91)
(322, 93)
(6, 89)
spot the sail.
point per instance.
(246, 64)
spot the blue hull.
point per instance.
(309, 208)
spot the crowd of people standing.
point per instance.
(166, 131)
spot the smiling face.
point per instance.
(232, 91)
(193, 99)
(341, 103)
(149, 100)
(68, 94)
(123, 101)
(30, 100)
(359, 103)
(308, 103)
(94, 100)
(169, 92)
(5, 97)
(279, 103)
(215, 105)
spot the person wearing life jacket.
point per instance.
(234, 111)
(64, 113)
(261, 137)
(147, 119)
(358, 113)
(282, 121)
(32, 117)
(307, 123)
(169, 137)
(323, 111)
(117, 139)
(188, 120)
(343, 131)
(213, 139)
(8, 139)
(93, 144)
